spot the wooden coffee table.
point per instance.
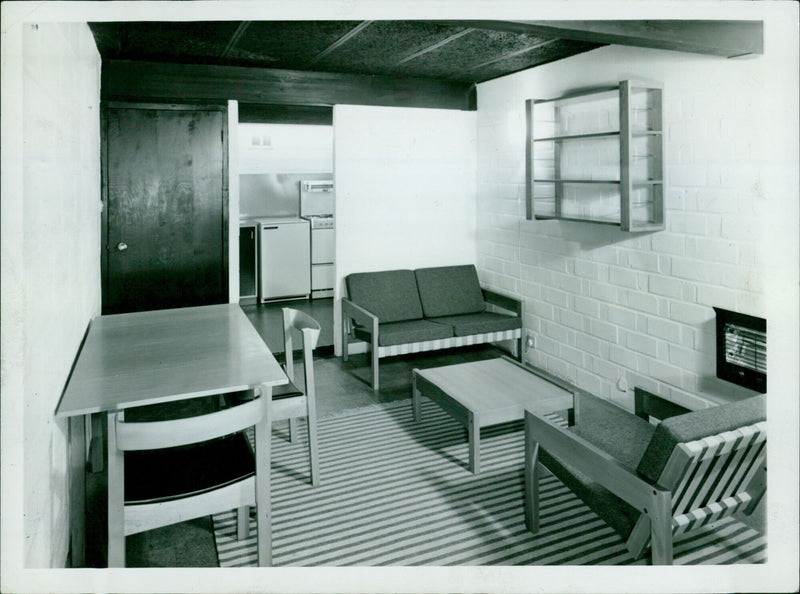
(485, 393)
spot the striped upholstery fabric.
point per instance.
(446, 343)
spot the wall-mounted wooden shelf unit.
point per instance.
(597, 156)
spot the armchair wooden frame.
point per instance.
(703, 480)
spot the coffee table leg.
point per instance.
(415, 397)
(474, 444)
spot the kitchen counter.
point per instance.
(267, 220)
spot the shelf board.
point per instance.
(636, 184)
(615, 222)
(577, 181)
(644, 227)
(610, 134)
(586, 93)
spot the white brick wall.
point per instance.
(607, 305)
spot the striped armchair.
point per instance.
(649, 482)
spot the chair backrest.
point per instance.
(391, 295)
(308, 328)
(166, 434)
(710, 476)
(707, 459)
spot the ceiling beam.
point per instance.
(729, 39)
(339, 42)
(514, 54)
(434, 46)
(124, 80)
(237, 35)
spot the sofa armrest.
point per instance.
(363, 317)
(503, 300)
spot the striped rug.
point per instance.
(395, 492)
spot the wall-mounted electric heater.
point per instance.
(742, 349)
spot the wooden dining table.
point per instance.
(137, 359)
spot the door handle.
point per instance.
(121, 246)
(264, 227)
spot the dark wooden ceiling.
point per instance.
(447, 51)
(313, 65)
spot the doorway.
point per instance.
(285, 172)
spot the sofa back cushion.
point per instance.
(390, 294)
(449, 290)
(697, 425)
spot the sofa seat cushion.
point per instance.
(479, 323)
(406, 332)
(697, 425)
(622, 435)
(391, 295)
(449, 290)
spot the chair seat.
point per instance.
(406, 332)
(286, 391)
(153, 476)
(479, 323)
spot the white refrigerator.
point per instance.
(285, 259)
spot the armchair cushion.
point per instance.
(406, 332)
(391, 294)
(480, 323)
(697, 425)
(618, 433)
(449, 290)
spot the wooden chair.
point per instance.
(165, 472)
(652, 483)
(291, 402)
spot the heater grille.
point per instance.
(742, 349)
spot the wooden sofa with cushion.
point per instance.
(408, 311)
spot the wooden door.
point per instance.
(166, 212)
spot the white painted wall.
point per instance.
(50, 261)
(405, 190)
(285, 148)
(233, 201)
(606, 305)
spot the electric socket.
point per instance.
(530, 341)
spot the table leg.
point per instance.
(263, 495)
(415, 395)
(77, 489)
(531, 502)
(474, 444)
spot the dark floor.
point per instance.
(268, 320)
(340, 386)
